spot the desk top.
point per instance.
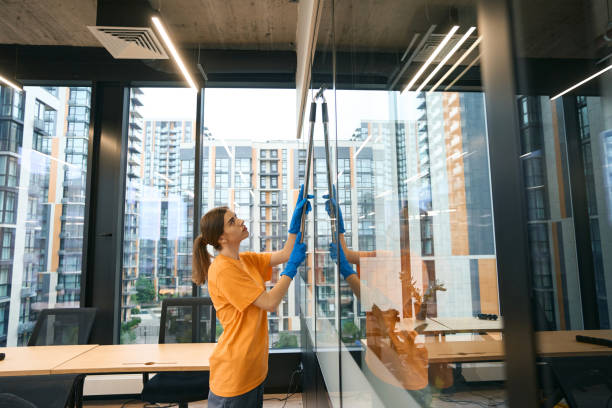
(470, 324)
(432, 327)
(140, 358)
(548, 344)
(563, 343)
(38, 360)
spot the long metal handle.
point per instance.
(313, 116)
(330, 189)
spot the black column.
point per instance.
(101, 283)
(509, 210)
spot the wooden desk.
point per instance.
(432, 328)
(469, 324)
(37, 360)
(563, 343)
(560, 343)
(548, 344)
(140, 358)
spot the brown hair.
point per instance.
(211, 229)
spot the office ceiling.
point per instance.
(364, 25)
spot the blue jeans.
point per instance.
(251, 399)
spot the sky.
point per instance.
(262, 114)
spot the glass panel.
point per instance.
(410, 162)
(566, 154)
(240, 169)
(158, 219)
(43, 173)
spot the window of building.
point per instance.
(7, 206)
(8, 171)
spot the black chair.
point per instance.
(8, 400)
(584, 381)
(69, 326)
(183, 320)
(63, 327)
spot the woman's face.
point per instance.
(234, 229)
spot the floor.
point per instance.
(484, 398)
(295, 401)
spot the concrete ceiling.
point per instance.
(550, 29)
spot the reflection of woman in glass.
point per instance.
(394, 362)
(239, 363)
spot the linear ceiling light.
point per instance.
(456, 64)
(582, 82)
(463, 72)
(175, 55)
(11, 84)
(445, 59)
(431, 58)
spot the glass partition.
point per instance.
(159, 199)
(252, 164)
(564, 104)
(44, 138)
(419, 323)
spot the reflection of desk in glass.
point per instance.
(37, 360)
(469, 324)
(548, 344)
(427, 326)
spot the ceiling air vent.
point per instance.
(129, 42)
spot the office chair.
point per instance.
(8, 400)
(584, 381)
(69, 326)
(183, 320)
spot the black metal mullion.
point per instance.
(508, 194)
(197, 183)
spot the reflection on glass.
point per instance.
(43, 169)
(158, 219)
(566, 158)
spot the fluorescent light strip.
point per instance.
(173, 51)
(463, 72)
(582, 82)
(431, 58)
(362, 146)
(11, 84)
(459, 61)
(445, 59)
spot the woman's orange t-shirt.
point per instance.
(239, 362)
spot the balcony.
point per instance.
(39, 124)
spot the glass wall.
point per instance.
(159, 199)
(251, 164)
(409, 158)
(44, 137)
(566, 156)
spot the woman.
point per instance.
(239, 363)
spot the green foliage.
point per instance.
(135, 310)
(286, 340)
(350, 332)
(218, 330)
(128, 335)
(145, 291)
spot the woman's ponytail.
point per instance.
(200, 261)
(211, 229)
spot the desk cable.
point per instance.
(289, 393)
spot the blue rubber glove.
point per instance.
(296, 218)
(298, 254)
(345, 268)
(331, 206)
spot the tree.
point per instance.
(145, 292)
(286, 340)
